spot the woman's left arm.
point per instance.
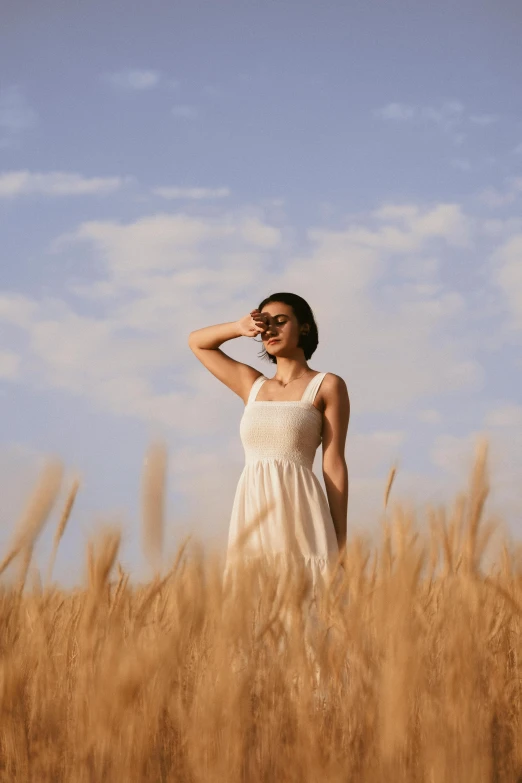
(335, 471)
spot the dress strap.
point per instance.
(312, 388)
(255, 388)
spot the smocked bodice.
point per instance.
(282, 429)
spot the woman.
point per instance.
(285, 419)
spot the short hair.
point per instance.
(303, 312)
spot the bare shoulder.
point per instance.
(334, 393)
(250, 376)
(333, 385)
(335, 401)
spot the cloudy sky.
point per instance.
(165, 166)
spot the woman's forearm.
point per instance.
(336, 483)
(213, 336)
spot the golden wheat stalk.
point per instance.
(100, 561)
(27, 554)
(391, 477)
(104, 558)
(478, 492)
(62, 525)
(36, 512)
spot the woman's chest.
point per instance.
(294, 424)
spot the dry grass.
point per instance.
(406, 669)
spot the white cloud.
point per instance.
(506, 415)
(493, 197)
(506, 265)
(397, 212)
(449, 116)
(163, 275)
(452, 453)
(190, 194)
(396, 111)
(444, 221)
(484, 119)
(167, 274)
(9, 365)
(446, 116)
(184, 111)
(256, 232)
(56, 183)
(134, 79)
(501, 227)
(168, 242)
(16, 309)
(418, 268)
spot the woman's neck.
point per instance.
(290, 368)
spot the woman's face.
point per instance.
(282, 327)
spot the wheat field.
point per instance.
(403, 665)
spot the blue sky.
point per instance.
(165, 168)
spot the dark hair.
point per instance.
(303, 312)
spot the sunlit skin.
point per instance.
(278, 321)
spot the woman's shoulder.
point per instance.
(333, 382)
(330, 376)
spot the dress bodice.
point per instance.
(282, 429)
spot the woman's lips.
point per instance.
(272, 341)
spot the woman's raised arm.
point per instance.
(205, 344)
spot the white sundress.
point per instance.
(280, 439)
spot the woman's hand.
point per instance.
(254, 323)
